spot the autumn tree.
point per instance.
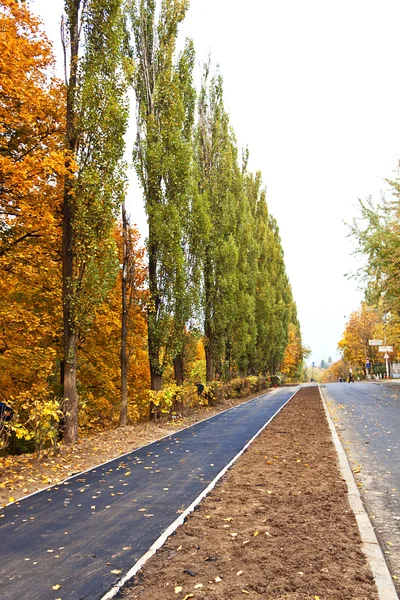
(97, 111)
(163, 160)
(363, 325)
(133, 295)
(32, 122)
(292, 366)
(99, 365)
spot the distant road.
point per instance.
(367, 416)
(75, 540)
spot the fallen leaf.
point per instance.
(256, 533)
(239, 573)
(11, 499)
(56, 587)
(198, 586)
(188, 596)
(178, 589)
(116, 571)
(217, 579)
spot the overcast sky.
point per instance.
(313, 89)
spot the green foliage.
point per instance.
(164, 163)
(376, 232)
(101, 113)
(219, 184)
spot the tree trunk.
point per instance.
(209, 360)
(156, 385)
(124, 323)
(156, 368)
(207, 321)
(179, 369)
(70, 406)
(70, 394)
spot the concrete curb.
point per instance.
(370, 545)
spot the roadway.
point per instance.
(76, 540)
(367, 417)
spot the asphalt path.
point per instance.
(367, 417)
(76, 540)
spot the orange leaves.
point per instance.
(294, 353)
(363, 325)
(31, 164)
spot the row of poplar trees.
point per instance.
(215, 262)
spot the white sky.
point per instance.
(313, 88)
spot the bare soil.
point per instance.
(22, 475)
(277, 526)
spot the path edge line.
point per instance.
(370, 545)
(160, 541)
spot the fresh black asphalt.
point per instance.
(367, 416)
(76, 540)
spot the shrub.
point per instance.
(41, 425)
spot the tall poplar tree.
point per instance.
(96, 122)
(163, 159)
(245, 328)
(218, 187)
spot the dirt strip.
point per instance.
(277, 526)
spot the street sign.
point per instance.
(386, 355)
(375, 342)
(385, 348)
(367, 365)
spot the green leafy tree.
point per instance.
(377, 231)
(219, 184)
(164, 162)
(273, 295)
(97, 114)
(245, 327)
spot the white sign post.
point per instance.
(386, 349)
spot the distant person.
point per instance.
(351, 378)
(340, 379)
(200, 388)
